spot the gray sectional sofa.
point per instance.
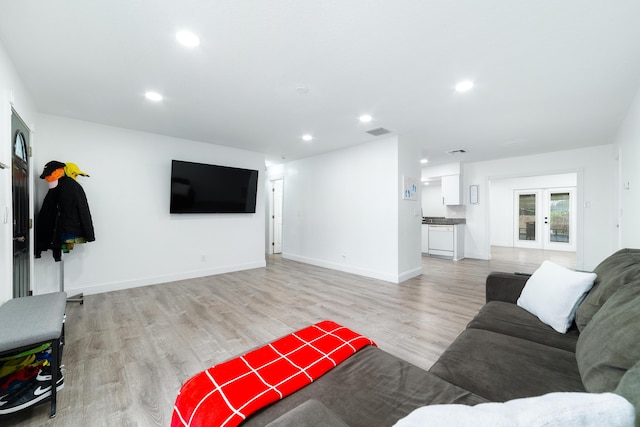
(505, 353)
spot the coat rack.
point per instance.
(76, 298)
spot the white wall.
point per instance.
(437, 171)
(594, 167)
(341, 210)
(502, 209)
(137, 241)
(627, 144)
(409, 213)
(12, 93)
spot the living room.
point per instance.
(129, 179)
(342, 206)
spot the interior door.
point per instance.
(20, 201)
(276, 216)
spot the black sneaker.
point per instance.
(37, 392)
(17, 381)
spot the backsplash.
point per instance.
(456, 211)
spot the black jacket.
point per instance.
(75, 217)
(46, 231)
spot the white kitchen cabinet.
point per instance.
(425, 238)
(452, 190)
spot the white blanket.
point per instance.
(553, 409)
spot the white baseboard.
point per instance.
(410, 274)
(478, 255)
(355, 270)
(117, 286)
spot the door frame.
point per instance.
(272, 209)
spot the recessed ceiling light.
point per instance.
(307, 137)
(187, 38)
(365, 118)
(302, 90)
(153, 96)
(423, 161)
(464, 86)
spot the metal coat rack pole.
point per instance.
(76, 298)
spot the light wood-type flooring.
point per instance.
(127, 352)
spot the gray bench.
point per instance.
(31, 321)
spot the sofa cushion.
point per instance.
(509, 319)
(610, 344)
(548, 410)
(309, 414)
(629, 388)
(553, 293)
(370, 388)
(500, 367)
(618, 269)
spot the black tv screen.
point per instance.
(201, 188)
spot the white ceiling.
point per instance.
(549, 74)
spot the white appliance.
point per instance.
(441, 240)
(446, 241)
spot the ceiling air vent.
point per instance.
(456, 151)
(378, 131)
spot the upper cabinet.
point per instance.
(451, 190)
(450, 177)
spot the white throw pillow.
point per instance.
(548, 410)
(553, 293)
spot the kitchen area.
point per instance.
(443, 222)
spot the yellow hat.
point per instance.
(72, 170)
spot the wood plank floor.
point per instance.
(128, 352)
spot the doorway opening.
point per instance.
(535, 212)
(275, 216)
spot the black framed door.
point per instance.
(20, 198)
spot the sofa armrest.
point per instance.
(505, 287)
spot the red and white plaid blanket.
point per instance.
(225, 394)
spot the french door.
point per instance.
(545, 218)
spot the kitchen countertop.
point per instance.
(443, 221)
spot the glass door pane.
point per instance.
(559, 217)
(527, 216)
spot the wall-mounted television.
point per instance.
(202, 188)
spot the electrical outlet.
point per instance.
(203, 258)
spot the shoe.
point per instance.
(37, 392)
(17, 381)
